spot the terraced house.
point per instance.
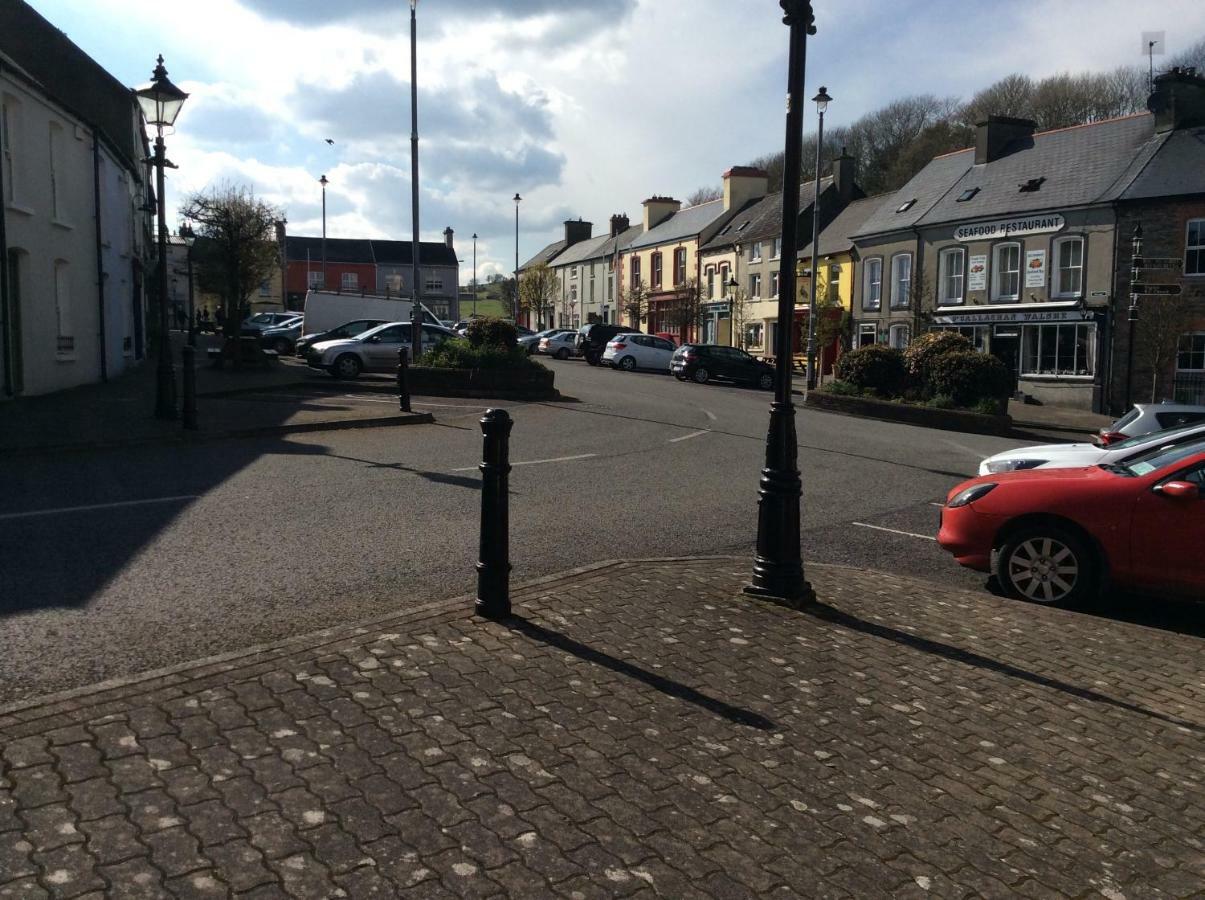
(585, 276)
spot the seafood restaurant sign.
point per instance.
(988, 231)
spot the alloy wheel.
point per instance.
(1043, 569)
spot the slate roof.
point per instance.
(683, 224)
(926, 187)
(367, 252)
(763, 218)
(395, 253)
(1175, 166)
(548, 254)
(837, 237)
(599, 247)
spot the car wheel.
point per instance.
(765, 381)
(628, 364)
(283, 346)
(701, 376)
(562, 354)
(347, 366)
(1046, 564)
(679, 376)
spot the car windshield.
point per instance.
(1126, 419)
(1162, 457)
(1170, 436)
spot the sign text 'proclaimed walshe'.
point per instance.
(987, 231)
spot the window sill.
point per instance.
(18, 208)
(950, 304)
(59, 223)
(1076, 379)
(65, 356)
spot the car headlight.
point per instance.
(1012, 465)
(971, 494)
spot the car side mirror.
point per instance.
(375, 339)
(1179, 489)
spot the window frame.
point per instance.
(635, 279)
(774, 284)
(867, 283)
(64, 333)
(896, 328)
(1192, 351)
(58, 193)
(1198, 248)
(755, 286)
(315, 279)
(947, 253)
(679, 266)
(867, 328)
(1056, 246)
(755, 251)
(894, 302)
(1042, 331)
(996, 296)
(755, 334)
(349, 285)
(656, 275)
(9, 181)
(776, 248)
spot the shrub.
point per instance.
(492, 332)
(843, 389)
(458, 353)
(942, 401)
(876, 368)
(969, 377)
(919, 356)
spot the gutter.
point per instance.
(100, 260)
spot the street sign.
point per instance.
(1157, 262)
(1153, 290)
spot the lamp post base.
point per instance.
(781, 593)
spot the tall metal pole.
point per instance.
(815, 249)
(777, 565)
(1135, 258)
(518, 199)
(474, 273)
(165, 381)
(192, 310)
(322, 181)
(416, 316)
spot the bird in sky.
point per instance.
(329, 141)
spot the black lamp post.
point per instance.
(474, 273)
(777, 565)
(160, 101)
(416, 316)
(190, 237)
(518, 200)
(822, 101)
(733, 285)
(1135, 256)
(323, 181)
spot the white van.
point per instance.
(325, 310)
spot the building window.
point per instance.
(1006, 272)
(393, 283)
(1194, 248)
(350, 281)
(573, 271)
(58, 191)
(610, 286)
(433, 283)
(635, 272)
(755, 252)
(753, 334)
(591, 291)
(901, 280)
(1069, 267)
(1068, 350)
(656, 271)
(8, 139)
(680, 266)
(1191, 354)
(265, 289)
(755, 287)
(867, 334)
(62, 308)
(315, 280)
(872, 284)
(897, 337)
(773, 284)
(710, 283)
(777, 248)
(951, 277)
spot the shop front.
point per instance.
(1056, 353)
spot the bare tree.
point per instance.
(685, 309)
(634, 301)
(235, 250)
(1161, 323)
(703, 195)
(1012, 95)
(738, 306)
(537, 291)
(1194, 56)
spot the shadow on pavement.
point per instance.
(659, 682)
(436, 477)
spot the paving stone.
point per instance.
(68, 871)
(112, 839)
(175, 852)
(240, 865)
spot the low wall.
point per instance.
(515, 384)
(924, 416)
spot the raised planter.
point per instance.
(911, 414)
(504, 384)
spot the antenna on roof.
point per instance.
(1152, 42)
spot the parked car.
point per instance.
(530, 342)
(346, 330)
(1065, 456)
(559, 346)
(253, 325)
(282, 337)
(373, 351)
(638, 351)
(1058, 535)
(592, 339)
(1147, 417)
(704, 362)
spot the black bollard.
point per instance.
(493, 563)
(403, 386)
(190, 387)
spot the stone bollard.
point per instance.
(403, 386)
(493, 563)
(190, 387)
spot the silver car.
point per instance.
(1147, 417)
(282, 337)
(373, 351)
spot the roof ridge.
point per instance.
(1038, 134)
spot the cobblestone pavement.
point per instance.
(641, 729)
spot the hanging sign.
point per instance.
(977, 273)
(1001, 228)
(1035, 268)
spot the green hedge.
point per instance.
(458, 353)
(920, 354)
(491, 332)
(969, 377)
(876, 368)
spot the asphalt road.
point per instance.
(118, 561)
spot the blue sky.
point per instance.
(585, 107)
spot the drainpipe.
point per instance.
(918, 279)
(100, 260)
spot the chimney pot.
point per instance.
(994, 134)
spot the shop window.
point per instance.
(1069, 267)
(901, 280)
(1194, 248)
(872, 284)
(1006, 272)
(1064, 350)
(951, 277)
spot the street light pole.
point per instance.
(518, 199)
(821, 100)
(1135, 255)
(322, 181)
(474, 273)
(733, 286)
(416, 316)
(777, 565)
(189, 237)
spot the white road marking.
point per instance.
(708, 413)
(71, 509)
(931, 503)
(923, 537)
(536, 462)
(687, 437)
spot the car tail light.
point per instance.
(618, 346)
(1111, 437)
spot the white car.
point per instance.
(559, 346)
(638, 351)
(1147, 417)
(1070, 456)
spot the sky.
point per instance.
(583, 107)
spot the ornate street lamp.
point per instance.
(323, 181)
(733, 285)
(416, 316)
(518, 200)
(190, 237)
(777, 565)
(161, 101)
(822, 101)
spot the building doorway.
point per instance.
(1006, 347)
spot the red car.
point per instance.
(1059, 535)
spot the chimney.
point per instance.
(619, 224)
(448, 237)
(742, 184)
(995, 133)
(658, 209)
(844, 169)
(1178, 100)
(577, 231)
